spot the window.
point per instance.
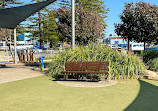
(135, 45)
(116, 42)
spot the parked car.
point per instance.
(115, 47)
(137, 46)
(36, 50)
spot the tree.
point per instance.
(89, 25)
(95, 6)
(139, 23)
(4, 3)
(4, 34)
(39, 22)
(49, 27)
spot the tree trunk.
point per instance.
(144, 47)
(51, 44)
(128, 45)
(40, 29)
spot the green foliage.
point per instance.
(49, 27)
(90, 5)
(4, 3)
(139, 22)
(150, 58)
(149, 55)
(89, 25)
(44, 25)
(153, 64)
(95, 6)
(122, 65)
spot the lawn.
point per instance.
(42, 94)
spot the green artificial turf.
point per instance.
(42, 94)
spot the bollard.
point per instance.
(42, 64)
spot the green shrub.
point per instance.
(122, 65)
(150, 58)
(149, 55)
(153, 64)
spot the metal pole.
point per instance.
(73, 23)
(15, 51)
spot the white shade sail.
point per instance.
(11, 17)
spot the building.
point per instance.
(25, 38)
(116, 40)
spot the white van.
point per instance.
(137, 46)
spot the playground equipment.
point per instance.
(41, 63)
(25, 56)
(11, 17)
(4, 55)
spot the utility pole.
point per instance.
(73, 23)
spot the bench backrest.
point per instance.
(81, 66)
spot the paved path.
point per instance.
(11, 73)
(87, 84)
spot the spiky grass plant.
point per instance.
(153, 64)
(122, 65)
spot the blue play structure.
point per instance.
(3, 62)
(42, 64)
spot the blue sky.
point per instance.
(115, 7)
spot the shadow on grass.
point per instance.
(147, 99)
(46, 64)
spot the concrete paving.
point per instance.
(9, 73)
(87, 84)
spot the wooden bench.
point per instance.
(86, 68)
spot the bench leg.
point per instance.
(65, 76)
(108, 79)
(77, 77)
(86, 78)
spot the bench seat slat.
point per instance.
(73, 66)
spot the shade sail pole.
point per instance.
(73, 23)
(15, 51)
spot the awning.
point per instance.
(11, 17)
